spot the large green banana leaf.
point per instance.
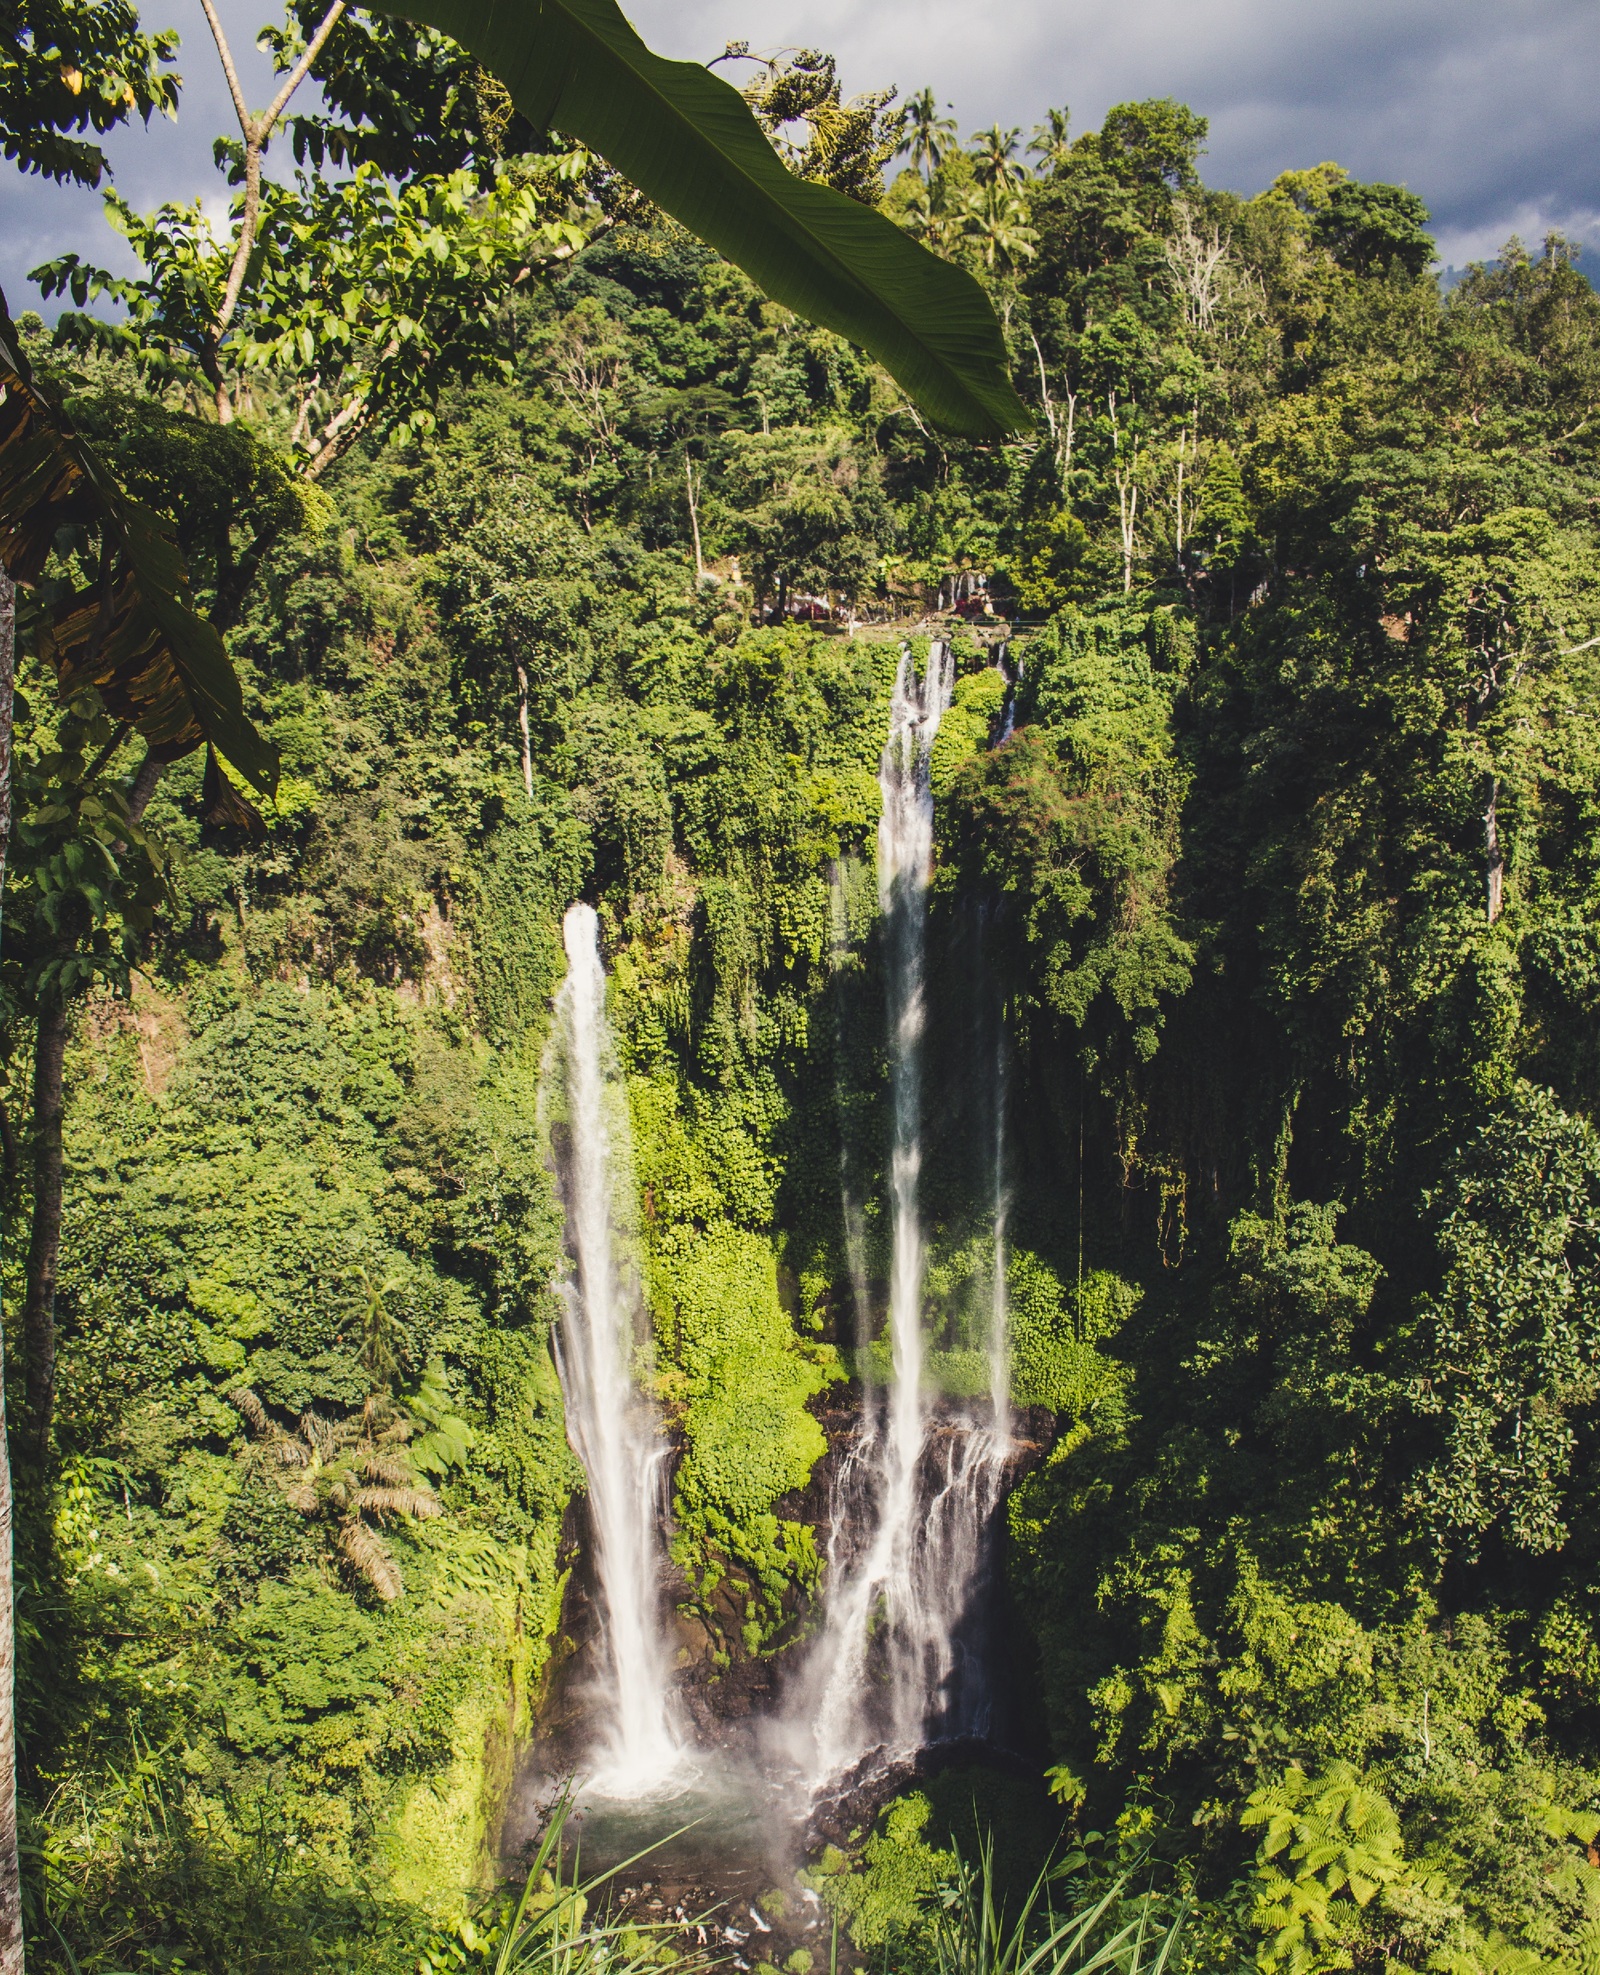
(689, 141)
(135, 634)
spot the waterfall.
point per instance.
(610, 1423)
(1008, 717)
(855, 1240)
(895, 1662)
(999, 1307)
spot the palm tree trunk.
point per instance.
(11, 1951)
(44, 1246)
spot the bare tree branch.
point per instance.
(256, 131)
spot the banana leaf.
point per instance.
(134, 634)
(688, 140)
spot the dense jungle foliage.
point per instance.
(1265, 917)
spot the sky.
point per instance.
(1487, 108)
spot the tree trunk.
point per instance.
(11, 1952)
(1496, 861)
(44, 1246)
(144, 787)
(527, 744)
(694, 525)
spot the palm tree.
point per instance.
(928, 215)
(996, 218)
(994, 153)
(348, 1475)
(1051, 141)
(928, 136)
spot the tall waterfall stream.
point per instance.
(899, 1659)
(611, 1425)
(911, 1505)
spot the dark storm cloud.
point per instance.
(1490, 111)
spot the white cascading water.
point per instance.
(892, 1663)
(999, 1302)
(610, 1423)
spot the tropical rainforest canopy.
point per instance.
(557, 562)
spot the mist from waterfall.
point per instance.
(611, 1424)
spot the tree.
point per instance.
(995, 218)
(1368, 227)
(362, 296)
(1051, 140)
(68, 66)
(365, 298)
(994, 158)
(1505, 1356)
(1153, 146)
(928, 137)
(807, 515)
(91, 882)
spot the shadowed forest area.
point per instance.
(1267, 865)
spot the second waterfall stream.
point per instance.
(610, 1422)
(912, 1503)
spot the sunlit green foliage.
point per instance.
(1262, 997)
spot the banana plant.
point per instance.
(132, 631)
(689, 141)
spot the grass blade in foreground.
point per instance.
(688, 140)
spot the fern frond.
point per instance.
(417, 1502)
(250, 1409)
(392, 1474)
(303, 1498)
(370, 1559)
(320, 1435)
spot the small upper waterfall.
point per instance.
(891, 1664)
(609, 1421)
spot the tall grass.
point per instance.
(973, 1934)
(554, 1926)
